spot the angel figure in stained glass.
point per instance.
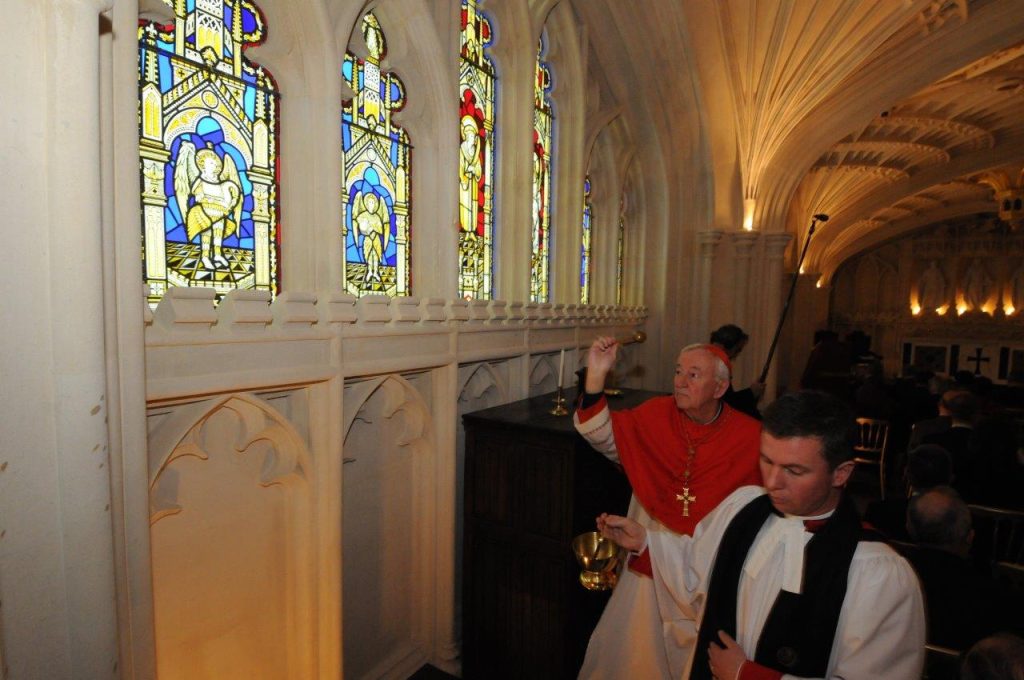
(216, 189)
(373, 228)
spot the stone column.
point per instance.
(125, 345)
(58, 616)
(743, 249)
(743, 243)
(707, 242)
(773, 289)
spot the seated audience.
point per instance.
(961, 408)
(998, 472)
(982, 388)
(828, 366)
(1000, 657)
(928, 466)
(961, 601)
(913, 404)
(964, 379)
(872, 398)
(914, 401)
(937, 387)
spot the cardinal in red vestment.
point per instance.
(683, 454)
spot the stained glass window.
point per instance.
(543, 119)
(588, 220)
(376, 157)
(208, 151)
(476, 155)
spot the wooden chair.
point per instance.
(872, 438)
(998, 534)
(940, 663)
(1010, 578)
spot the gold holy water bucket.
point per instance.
(599, 559)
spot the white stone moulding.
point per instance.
(197, 347)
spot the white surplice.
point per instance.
(881, 628)
(632, 640)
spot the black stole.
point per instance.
(797, 635)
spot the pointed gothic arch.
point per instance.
(543, 376)
(389, 528)
(231, 507)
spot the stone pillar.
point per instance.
(58, 616)
(743, 249)
(773, 290)
(707, 242)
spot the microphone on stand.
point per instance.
(820, 217)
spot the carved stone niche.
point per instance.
(544, 374)
(390, 534)
(234, 578)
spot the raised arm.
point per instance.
(593, 419)
(600, 361)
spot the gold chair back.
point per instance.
(998, 534)
(872, 441)
(941, 663)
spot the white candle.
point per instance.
(561, 367)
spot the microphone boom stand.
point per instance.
(821, 217)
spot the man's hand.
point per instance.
(600, 360)
(726, 661)
(623, 531)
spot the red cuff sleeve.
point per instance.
(585, 414)
(751, 670)
(641, 564)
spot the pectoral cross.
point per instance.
(685, 498)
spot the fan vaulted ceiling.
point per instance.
(887, 115)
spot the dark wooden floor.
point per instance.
(428, 672)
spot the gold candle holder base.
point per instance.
(559, 408)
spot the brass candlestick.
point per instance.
(559, 408)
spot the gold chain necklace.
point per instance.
(691, 452)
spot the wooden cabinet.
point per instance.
(532, 483)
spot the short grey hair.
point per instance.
(721, 370)
(939, 518)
